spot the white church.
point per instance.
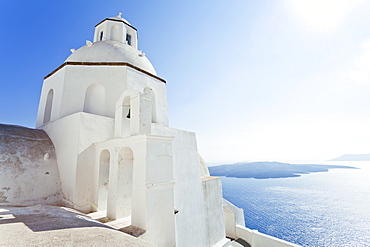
(102, 143)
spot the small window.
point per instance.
(128, 38)
(101, 35)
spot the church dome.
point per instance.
(111, 51)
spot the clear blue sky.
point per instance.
(256, 80)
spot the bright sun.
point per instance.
(322, 15)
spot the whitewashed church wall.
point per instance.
(204, 172)
(159, 194)
(230, 222)
(139, 81)
(56, 83)
(233, 216)
(212, 192)
(160, 215)
(71, 83)
(92, 128)
(159, 162)
(79, 78)
(114, 147)
(191, 229)
(152, 188)
(72, 136)
(64, 135)
(238, 212)
(83, 194)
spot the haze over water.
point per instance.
(317, 209)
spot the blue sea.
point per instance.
(318, 209)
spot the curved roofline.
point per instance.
(105, 64)
(23, 132)
(115, 20)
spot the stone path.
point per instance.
(43, 225)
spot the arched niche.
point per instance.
(124, 182)
(104, 164)
(48, 106)
(115, 33)
(151, 94)
(95, 99)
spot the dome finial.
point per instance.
(119, 15)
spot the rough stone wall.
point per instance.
(28, 167)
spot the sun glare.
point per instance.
(322, 15)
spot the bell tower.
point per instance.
(105, 110)
(116, 29)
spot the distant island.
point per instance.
(265, 170)
(353, 157)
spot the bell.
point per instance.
(128, 115)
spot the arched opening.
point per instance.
(124, 182)
(126, 116)
(104, 162)
(95, 99)
(131, 37)
(128, 38)
(48, 106)
(152, 98)
(115, 33)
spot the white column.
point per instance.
(112, 187)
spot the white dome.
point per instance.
(111, 51)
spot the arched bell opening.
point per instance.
(126, 116)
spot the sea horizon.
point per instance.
(316, 209)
